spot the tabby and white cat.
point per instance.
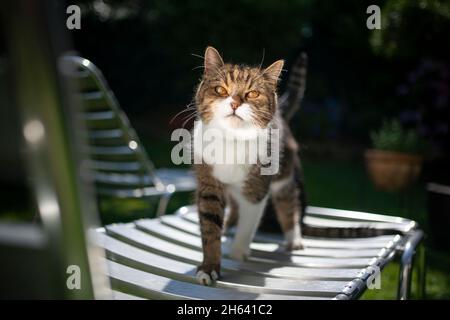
(242, 99)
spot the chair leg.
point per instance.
(406, 263)
(421, 276)
(162, 206)
(404, 286)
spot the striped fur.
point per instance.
(292, 98)
(249, 93)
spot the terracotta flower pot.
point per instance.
(392, 171)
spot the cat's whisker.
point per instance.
(197, 56)
(178, 114)
(189, 107)
(262, 59)
(192, 116)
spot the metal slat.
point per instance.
(145, 261)
(305, 261)
(326, 222)
(98, 116)
(110, 142)
(117, 167)
(152, 286)
(123, 179)
(110, 151)
(117, 295)
(105, 138)
(105, 134)
(130, 193)
(190, 214)
(162, 231)
(362, 243)
(184, 180)
(164, 248)
(353, 215)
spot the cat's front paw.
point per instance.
(207, 275)
(295, 244)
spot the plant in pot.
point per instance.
(395, 160)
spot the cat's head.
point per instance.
(237, 96)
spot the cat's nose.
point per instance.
(235, 102)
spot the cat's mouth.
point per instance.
(235, 116)
(234, 120)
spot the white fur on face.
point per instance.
(223, 115)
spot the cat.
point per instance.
(239, 100)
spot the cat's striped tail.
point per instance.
(290, 101)
(313, 227)
(343, 232)
(317, 229)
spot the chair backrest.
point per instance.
(118, 161)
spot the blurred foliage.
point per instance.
(150, 53)
(413, 28)
(393, 137)
(148, 48)
(415, 33)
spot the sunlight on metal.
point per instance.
(85, 62)
(49, 209)
(133, 145)
(407, 246)
(170, 188)
(353, 214)
(183, 210)
(34, 131)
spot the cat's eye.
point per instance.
(253, 94)
(221, 91)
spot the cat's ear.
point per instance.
(273, 71)
(213, 60)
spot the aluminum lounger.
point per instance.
(157, 259)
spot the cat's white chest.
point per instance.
(234, 174)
